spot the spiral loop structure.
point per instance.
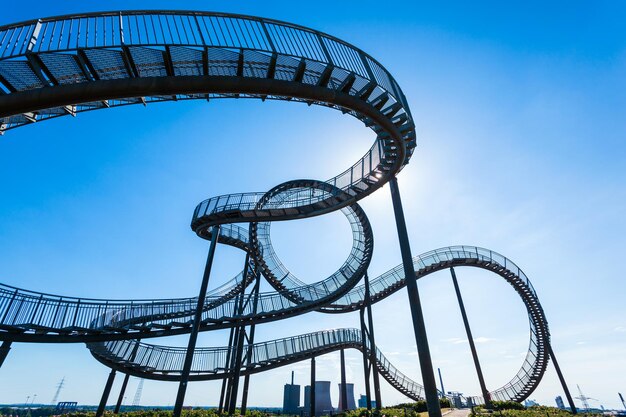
(71, 64)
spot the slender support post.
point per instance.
(4, 350)
(366, 368)
(105, 394)
(443, 390)
(238, 358)
(426, 364)
(237, 371)
(193, 336)
(312, 390)
(120, 398)
(373, 359)
(225, 380)
(572, 406)
(344, 388)
(470, 338)
(246, 380)
(232, 344)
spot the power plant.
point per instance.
(291, 398)
(350, 403)
(323, 403)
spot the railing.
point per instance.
(187, 28)
(368, 170)
(140, 42)
(212, 361)
(285, 281)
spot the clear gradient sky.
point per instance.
(521, 125)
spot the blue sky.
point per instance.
(521, 127)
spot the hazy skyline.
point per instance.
(521, 128)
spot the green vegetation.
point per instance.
(416, 409)
(513, 409)
(24, 412)
(401, 410)
(47, 412)
(506, 405)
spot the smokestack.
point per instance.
(291, 377)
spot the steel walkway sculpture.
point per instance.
(70, 64)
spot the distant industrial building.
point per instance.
(363, 402)
(291, 398)
(323, 405)
(65, 407)
(350, 392)
(559, 402)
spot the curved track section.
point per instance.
(160, 362)
(70, 64)
(165, 363)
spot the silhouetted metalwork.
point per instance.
(193, 335)
(470, 339)
(426, 364)
(343, 387)
(570, 401)
(312, 411)
(4, 350)
(105, 394)
(71, 64)
(120, 397)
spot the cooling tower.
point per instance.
(323, 404)
(350, 392)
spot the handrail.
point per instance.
(132, 57)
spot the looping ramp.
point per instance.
(71, 64)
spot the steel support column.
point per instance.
(225, 380)
(105, 394)
(561, 378)
(366, 368)
(373, 359)
(312, 390)
(233, 349)
(193, 336)
(246, 379)
(120, 398)
(426, 364)
(4, 350)
(232, 401)
(240, 335)
(443, 390)
(344, 389)
(470, 339)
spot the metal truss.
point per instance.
(71, 64)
